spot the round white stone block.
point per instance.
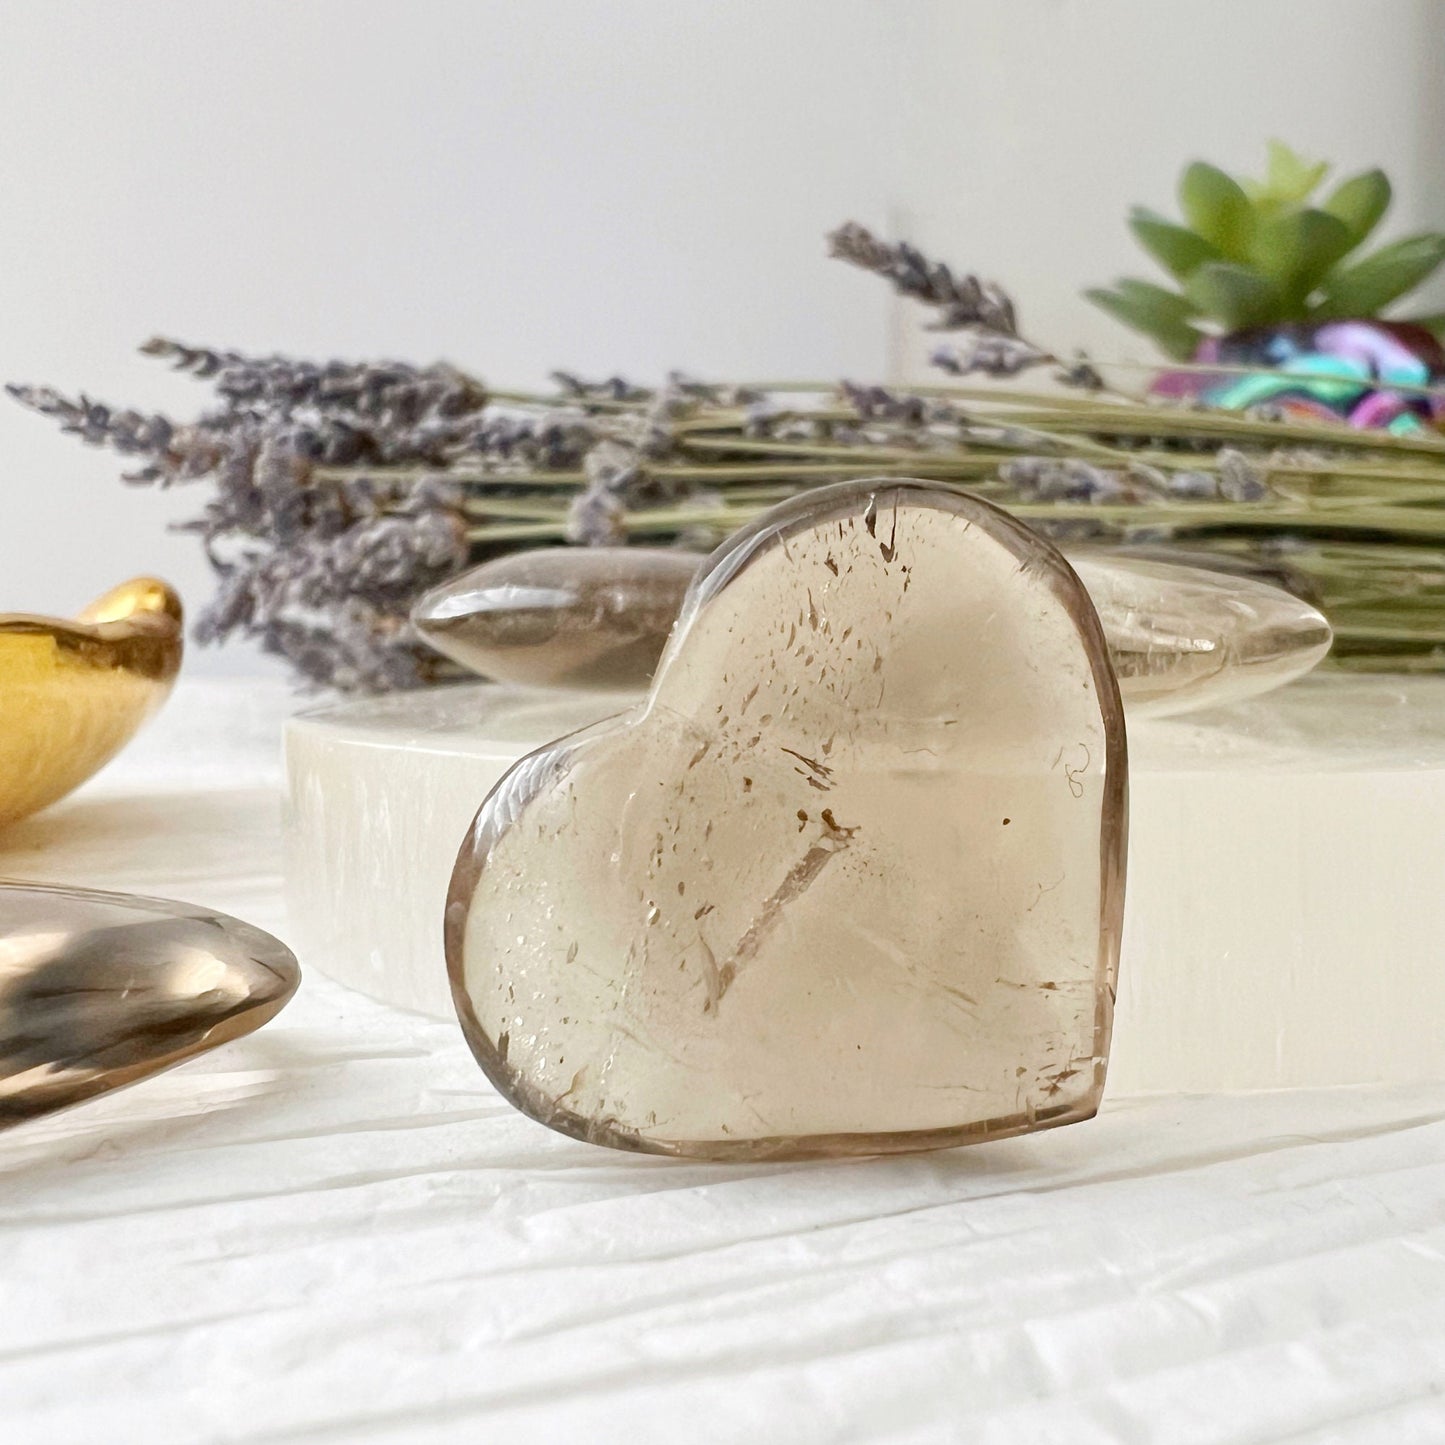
(1285, 919)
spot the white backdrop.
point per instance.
(623, 186)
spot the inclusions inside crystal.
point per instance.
(850, 880)
(1180, 637)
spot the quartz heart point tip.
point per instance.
(849, 880)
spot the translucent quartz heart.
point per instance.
(850, 880)
(99, 990)
(1180, 637)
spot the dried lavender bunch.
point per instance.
(342, 490)
(878, 403)
(622, 468)
(1239, 479)
(988, 353)
(1052, 479)
(612, 389)
(175, 453)
(169, 451)
(351, 645)
(312, 515)
(1235, 477)
(362, 578)
(290, 550)
(692, 389)
(554, 441)
(128, 432)
(679, 385)
(963, 303)
(928, 423)
(392, 393)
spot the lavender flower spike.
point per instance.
(962, 301)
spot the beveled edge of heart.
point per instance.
(534, 773)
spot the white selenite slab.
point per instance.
(1285, 922)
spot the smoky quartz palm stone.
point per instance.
(1180, 638)
(849, 881)
(100, 990)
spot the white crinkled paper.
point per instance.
(335, 1230)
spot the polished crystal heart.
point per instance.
(99, 990)
(850, 880)
(1180, 637)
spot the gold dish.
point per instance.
(100, 990)
(73, 692)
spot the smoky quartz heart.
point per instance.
(850, 880)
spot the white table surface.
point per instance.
(335, 1230)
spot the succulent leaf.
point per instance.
(1360, 202)
(1176, 248)
(1255, 253)
(1296, 250)
(1167, 304)
(1216, 206)
(1368, 286)
(1290, 179)
(1238, 296)
(1138, 306)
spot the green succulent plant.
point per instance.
(1259, 253)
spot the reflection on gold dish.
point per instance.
(74, 692)
(100, 990)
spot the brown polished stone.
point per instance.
(1184, 638)
(561, 616)
(850, 880)
(1180, 637)
(99, 990)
